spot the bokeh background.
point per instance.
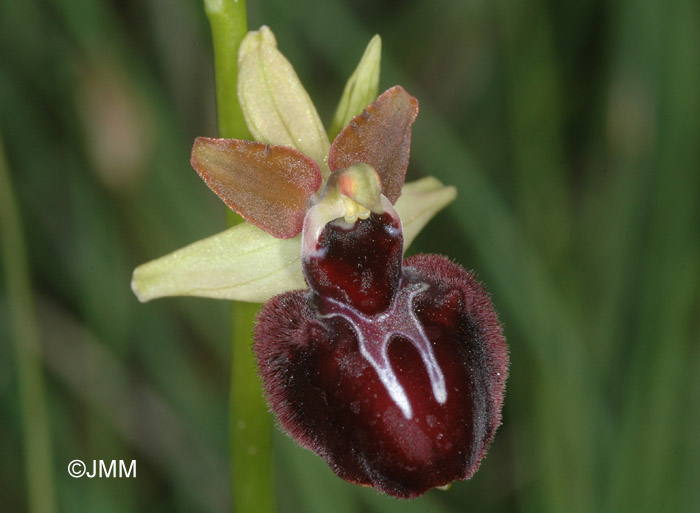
(572, 131)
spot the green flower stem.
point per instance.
(229, 25)
(250, 424)
(23, 322)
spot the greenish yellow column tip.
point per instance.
(360, 182)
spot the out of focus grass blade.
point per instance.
(309, 480)
(647, 468)
(535, 112)
(689, 496)
(80, 230)
(38, 458)
(97, 377)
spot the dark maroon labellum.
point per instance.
(393, 374)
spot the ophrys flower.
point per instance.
(392, 371)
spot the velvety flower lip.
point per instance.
(332, 400)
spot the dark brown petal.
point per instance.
(381, 137)
(270, 186)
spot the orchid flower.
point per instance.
(392, 371)
(246, 262)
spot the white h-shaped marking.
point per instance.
(398, 320)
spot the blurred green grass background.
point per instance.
(572, 131)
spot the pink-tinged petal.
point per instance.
(381, 137)
(270, 186)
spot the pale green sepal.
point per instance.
(419, 202)
(242, 263)
(361, 88)
(277, 108)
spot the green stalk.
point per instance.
(250, 424)
(24, 325)
(229, 25)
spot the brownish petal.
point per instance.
(270, 186)
(381, 137)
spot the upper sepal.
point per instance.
(361, 88)
(381, 137)
(270, 186)
(276, 106)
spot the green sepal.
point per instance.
(243, 263)
(277, 108)
(361, 88)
